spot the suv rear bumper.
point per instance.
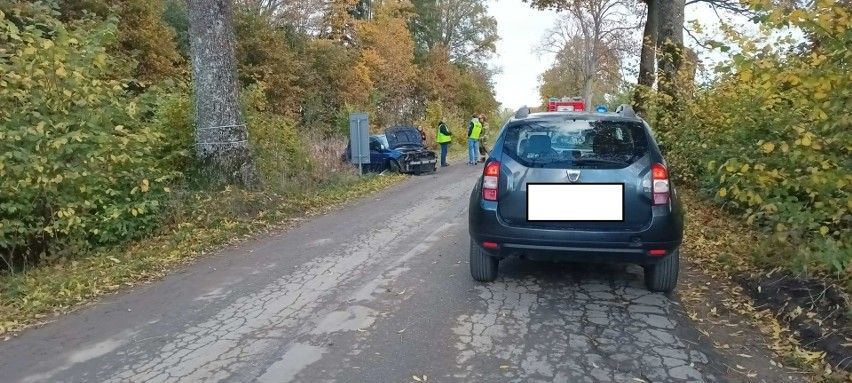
(663, 233)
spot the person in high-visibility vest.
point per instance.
(473, 132)
(444, 138)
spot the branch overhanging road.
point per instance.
(378, 291)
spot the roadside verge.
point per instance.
(805, 323)
(34, 297)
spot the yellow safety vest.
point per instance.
(442, 138)
(477, 129)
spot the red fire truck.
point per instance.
(566, 104)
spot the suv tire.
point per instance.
(662, 276)
(483, 267)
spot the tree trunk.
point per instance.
(588, 91)
(670, 52)
(592, 44)
(670, 45)
(221, 137)
(648, 56)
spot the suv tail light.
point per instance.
(660, 184)
(490, 178)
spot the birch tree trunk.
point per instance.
(221, 137)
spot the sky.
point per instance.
(521, 28)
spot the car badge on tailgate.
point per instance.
(573, 175)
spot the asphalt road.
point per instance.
(378, 291)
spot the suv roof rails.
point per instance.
(625, 110)
(522, 112)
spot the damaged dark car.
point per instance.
(399, 150)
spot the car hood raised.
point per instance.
(403, 136)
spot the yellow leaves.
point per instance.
(47, 44)
(100, 59)
(823, 230)
(144, 186)
(794, 79)
(767, 147)
(806, 140)
(784, 147)
(56, 144)
(745, 75)
(30, 50)
(797, 15)
(723, 192)
(61, 72)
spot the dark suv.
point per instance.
(577, 186)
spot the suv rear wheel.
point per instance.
(483, 267)
(662, 276)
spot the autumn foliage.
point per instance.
(96, 123)
(771, 140)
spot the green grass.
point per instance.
(205, 222)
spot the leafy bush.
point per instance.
(771, 138)
(279, 150)
(78, 163)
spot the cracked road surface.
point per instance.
(377, 291)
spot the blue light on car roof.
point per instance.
(601, 109)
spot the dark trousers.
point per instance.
(444, 147)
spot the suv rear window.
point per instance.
(572, 143)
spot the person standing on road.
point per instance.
(483, 140)
(444, 138)
(473, 132)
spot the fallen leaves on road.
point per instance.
(420, 379)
